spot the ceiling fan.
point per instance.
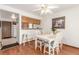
(45, 9)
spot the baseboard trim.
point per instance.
(10, 45)
(70, 46)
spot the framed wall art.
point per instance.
(58, 22)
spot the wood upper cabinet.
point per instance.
(35, 21)
(30, 20)
(25, 19)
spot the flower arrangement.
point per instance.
(54, 30)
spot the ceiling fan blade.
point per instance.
(50, 11)
(37, 10)
(46, 12)
(52, 7)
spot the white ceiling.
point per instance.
(31, 7)
(3, 14)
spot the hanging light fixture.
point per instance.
(45, 9)
(13, 16)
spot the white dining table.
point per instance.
(45, 37)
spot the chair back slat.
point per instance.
(57, 39)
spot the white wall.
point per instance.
(6, 16)
(71, 34)
(46, 23)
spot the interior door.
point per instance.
(6, 29)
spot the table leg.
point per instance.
(35, 44)
(49, 49)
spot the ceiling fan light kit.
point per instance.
(46, 9)
(13, 16)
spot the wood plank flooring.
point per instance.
(28, 49)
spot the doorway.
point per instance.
(6, 29)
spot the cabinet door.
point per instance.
(30, 20)
(36, 21)
(25, 25)
(25, 22)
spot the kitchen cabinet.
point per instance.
(28, 20)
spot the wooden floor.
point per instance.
(29, 50)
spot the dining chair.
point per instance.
(38, 41)
(61, 42)
(60, 45)
(53, 45)
(24, 38)
(39, 44)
